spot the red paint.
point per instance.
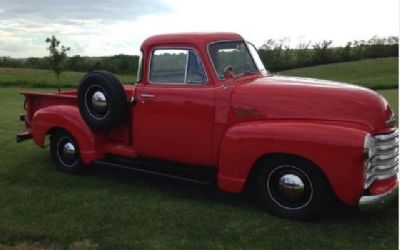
(381, 187)
(230, 125)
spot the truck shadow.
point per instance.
(210, 193)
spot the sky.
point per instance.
(108, 27)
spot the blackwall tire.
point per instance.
(102, 101)
(65, 152)
(293, 188)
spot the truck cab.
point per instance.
(204, 104)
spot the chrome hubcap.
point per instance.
(96, 102)
(99, 102)
(289, 187)
(67, 151)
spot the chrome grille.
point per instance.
(384, 163)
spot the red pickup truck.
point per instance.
(205, 109)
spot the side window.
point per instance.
(176, 66)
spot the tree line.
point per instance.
(122, 64)
(276, 55)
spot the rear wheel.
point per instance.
(65, 152)
(292, 188)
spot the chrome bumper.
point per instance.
(371, 202)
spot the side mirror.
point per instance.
(228, 72)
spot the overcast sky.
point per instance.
(105, 27)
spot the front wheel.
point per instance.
(65, 152)
(293, 188)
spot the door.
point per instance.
(173, 117)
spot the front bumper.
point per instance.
(371, 202)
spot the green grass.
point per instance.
(111, 209)
(381, 73)
(24, 77)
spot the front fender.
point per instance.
(337, 150)
(68, 118)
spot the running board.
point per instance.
(188, 173)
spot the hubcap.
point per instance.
(66, 151)
(289, 187)
(99, 102)
(96, 102)
(69, 151)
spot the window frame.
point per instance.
(139, 74)
(186, 66)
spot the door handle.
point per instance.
(147, 95)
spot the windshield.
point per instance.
(241, 57)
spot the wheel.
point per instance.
(293, 188)
(102, 100)
(65, 152)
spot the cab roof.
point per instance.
(198, 39)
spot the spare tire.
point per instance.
(101, 99)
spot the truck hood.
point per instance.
(277, 97)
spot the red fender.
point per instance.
(337, 150)
(68, 118)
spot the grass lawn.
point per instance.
(24, 77)
(381, 73)
(105, 208)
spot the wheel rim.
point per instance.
(96, 102)
(289, 187)
(67, 152)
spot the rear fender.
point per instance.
(338, 151)
(68, 118)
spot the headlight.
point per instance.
(369, 147)
(392, 119)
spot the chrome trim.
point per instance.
(383, 162)
(370, 202)
(384, 157)
(140, 68)
(147, 95)
(186, 67)
(387, 147)
(176, 48)
(382, 137)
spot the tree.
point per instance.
(57, 56)
(322, 52)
